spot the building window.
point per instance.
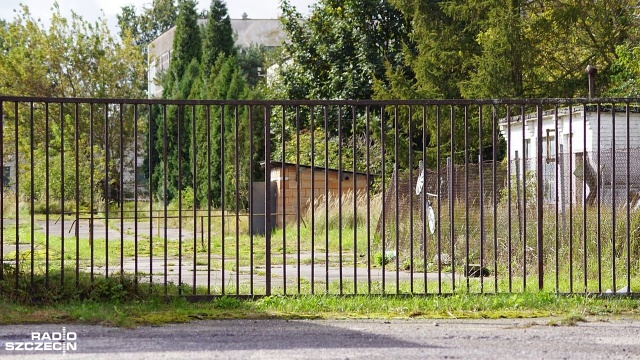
(164, 61)
(6, 176)
(141, 179)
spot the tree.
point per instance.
(187, 44)
(72, 58)
(514, 48)
(341, 47)
(150, 24)
(218, 36)
(338, 53)
(172, 135)
(626, 72)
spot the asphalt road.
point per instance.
(339, 339)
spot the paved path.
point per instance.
(344, 339)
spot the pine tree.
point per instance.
(173, 134)
(187, 42)
(218, 37)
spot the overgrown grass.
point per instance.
(585, 262)
(158, 310)
(121, 301)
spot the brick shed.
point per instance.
(286, 178)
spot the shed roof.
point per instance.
(281, 164)
(579, 108)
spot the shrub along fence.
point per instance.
(254, 198)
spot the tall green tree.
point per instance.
(70, 58)
(187, 44)
(341, 47)
(223, 140)
(513, 48)
(152, 22)
(625, 80)
(173, 132)
(337, 53)
(218, 36)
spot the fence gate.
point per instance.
(364, 197)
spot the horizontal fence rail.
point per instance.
(250, 198)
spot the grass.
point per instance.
(355, 242)
(121, 301)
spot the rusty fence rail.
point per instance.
(339, 197)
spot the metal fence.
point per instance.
(339, 197)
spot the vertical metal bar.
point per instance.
(17, 202)
(494, 189)
(540, 199)
(628, 222)
(326, 198)
(77, 191)
(267, 177)
(466, 191)
(452, 230)
(121, 190)
(439, 199)
(592, 71)
(480, 171)
(47, 190)
(208, 204)
(135, 192)
(179, 152)
(106, 188)
(237, 189)
(411, 187)
(62, 191)
(194, 155)
(251, 248)
(584, 197)
(313, 201)
(340, 178)
(509, 219)
(31, 200)
(613, 195)
(571, 198)
(557, 198)
(384, 210)
(150, 174)
(298, 209)
(92, 187)
(284, 204)
(423, 200)
(368, 139)
(164, 195)
(2, 185)
(598, 194)
(525, 157)
(396, 180)
(222, 202)
(355, 200)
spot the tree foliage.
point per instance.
(151, 23)
(512, 48)
(626, 72)
(341, 47)
(172, 125)
(190, 142)
(70, 58)
(218, 39)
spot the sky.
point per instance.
(91, 9)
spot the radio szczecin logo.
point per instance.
(62, 341)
